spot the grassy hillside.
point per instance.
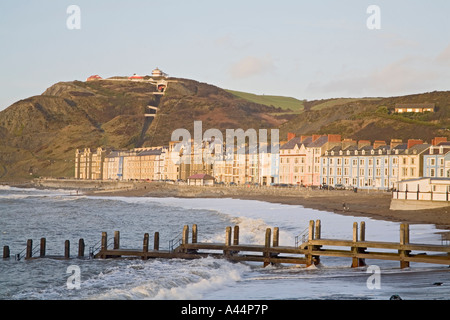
(374, 118)
(285, 103)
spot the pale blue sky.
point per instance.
(303, 49)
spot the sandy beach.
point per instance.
(373, 204)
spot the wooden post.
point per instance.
(354, 249)
(6, 252)
(404, 239)
(362, 237)
(29, 249)
(185, 235)
(194, 233)
(355, 231)
(42, 248)
(67, 249)
(318, 229)
(362, 231)
(226, 252)
(116, 239)
(311, 230)
(104, 241)
(104, 244)
(81, 247)
(276, 237)
(156, 242)
(236, 236)
(267, 246)
(145, 246)
(145, 243)
(308, 255)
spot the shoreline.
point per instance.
(372, 204)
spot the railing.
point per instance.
(302, 237)
(421, 195)
(175, 242)
(93, 250)
(23, 253)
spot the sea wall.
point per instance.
(399, 204)
(74, 184)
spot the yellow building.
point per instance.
(89, 163)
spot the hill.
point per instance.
(374, 118)
(39, 135)
(286, 103)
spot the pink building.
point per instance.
(300, 158)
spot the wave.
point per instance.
(177, 280)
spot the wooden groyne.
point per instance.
(308, 251)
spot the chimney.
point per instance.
(395, 142)
(315, 137)
(302, 138)
(347, 143)
(290, 135)
(413, 142)
(334, 138)
(378, 143)
(363, 143)
(438, 140)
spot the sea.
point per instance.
(60, 215)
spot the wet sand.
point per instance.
(373, 204)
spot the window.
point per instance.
(432, 172)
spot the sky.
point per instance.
(302, 49)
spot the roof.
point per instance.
(415, 105)
(151, 152)
(318, 142)
(296, 141)
(202, 176)
(94, 77)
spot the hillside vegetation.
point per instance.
(39, 135)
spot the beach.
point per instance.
(364, 203)
(373, 204)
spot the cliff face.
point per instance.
(39, 135)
